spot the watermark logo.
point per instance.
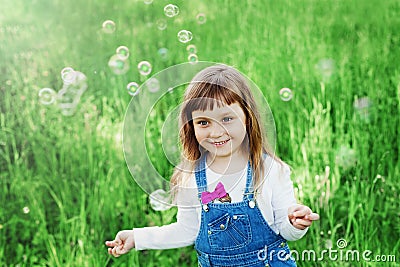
(330, 254)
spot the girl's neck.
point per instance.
(227, 165)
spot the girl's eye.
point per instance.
(202, 123)
(227, 119)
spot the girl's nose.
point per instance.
(217, 130)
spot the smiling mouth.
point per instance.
(221, 143)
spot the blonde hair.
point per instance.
(219, 84)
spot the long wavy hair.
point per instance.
(219, 85)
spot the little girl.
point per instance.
(235, 198)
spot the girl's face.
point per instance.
(222, 130)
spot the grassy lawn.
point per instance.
(65, 185)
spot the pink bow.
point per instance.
(219, 192)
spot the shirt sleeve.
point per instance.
(179, 234)
(282, 199)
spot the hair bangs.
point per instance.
(204, 96)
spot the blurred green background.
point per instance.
(65, 186)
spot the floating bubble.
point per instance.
(122, 52)
(201, 18)
(171, 10)
(328, 244)
(109, 26)
(26, 210)
(192, 49)
(185, 36)
(345, 157)
(147, 2)
(133, 88)
(326, 67)
(192, 58)
(118, 65)
(66, 70)
(68, 75)
(362, 108)
(159, 200)
(161, 24)
(163, 53)
(286, 94)
(68, 97)
(67, 110)
(47, 96)
(144, 68)
(153, 85)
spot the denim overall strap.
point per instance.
(249, 191)
(200, 174)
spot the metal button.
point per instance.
(282, 244)
(234, 217)
(205, 207)
(209, 232)
(252, 204)
(222, 227)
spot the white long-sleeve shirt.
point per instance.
(273, 200)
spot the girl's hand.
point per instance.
(123, 243)
(301, 216)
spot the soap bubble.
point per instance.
(201, 18)
(117, 65)
(153, 85)
(144, 68)
(362, 107)
(123, 52)
(286, 94)
(68, 110)
(68, 97)
(345, 157)
(325, 67)
(159, 200)
(47, 96)
(109, 26)
(171, 10)
(68, 75)
(133, 88)
(185, 36)
(163, 53)
(66, 70)
(192, 58)
(161, 24)
(192, 49)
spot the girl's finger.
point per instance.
(312, 216)
(302, 212)
(114, 252)
(111, 243)
(302, 223)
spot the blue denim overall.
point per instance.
(236, 234)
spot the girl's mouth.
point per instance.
(221, 143)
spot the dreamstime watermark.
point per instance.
(330, 254)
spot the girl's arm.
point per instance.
(179, 234)
(282, 199)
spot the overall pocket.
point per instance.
(229, 232)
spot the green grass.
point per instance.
(71, 173)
